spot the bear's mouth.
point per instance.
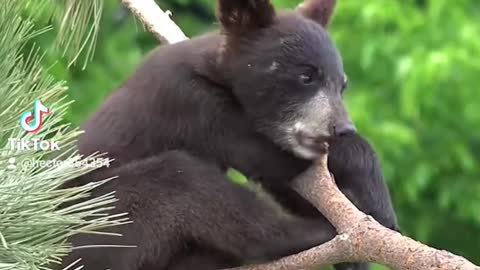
(309, 147)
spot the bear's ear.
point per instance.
(320, 11)
(240, 16)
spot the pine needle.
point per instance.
(79, 28)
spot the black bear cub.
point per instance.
(260, 96)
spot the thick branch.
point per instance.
(361, 238)
(155, 20)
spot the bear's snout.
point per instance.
(343, 128)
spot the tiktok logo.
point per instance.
(32, 123)
(38, 111)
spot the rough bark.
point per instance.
(361, 238)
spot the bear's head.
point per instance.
(285, 71)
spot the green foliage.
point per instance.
(414, 94)
(413, 70)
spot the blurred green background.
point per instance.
(413, 68)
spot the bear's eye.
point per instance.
(306, 78)
(309, 76)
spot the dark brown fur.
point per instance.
(195, 108)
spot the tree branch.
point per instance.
(156, 20)
(361, 238)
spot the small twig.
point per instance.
(156, 20)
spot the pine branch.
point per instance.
(33, 230)
(361, 238)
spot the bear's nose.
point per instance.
(344, 128)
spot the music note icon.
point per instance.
(37, 116)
